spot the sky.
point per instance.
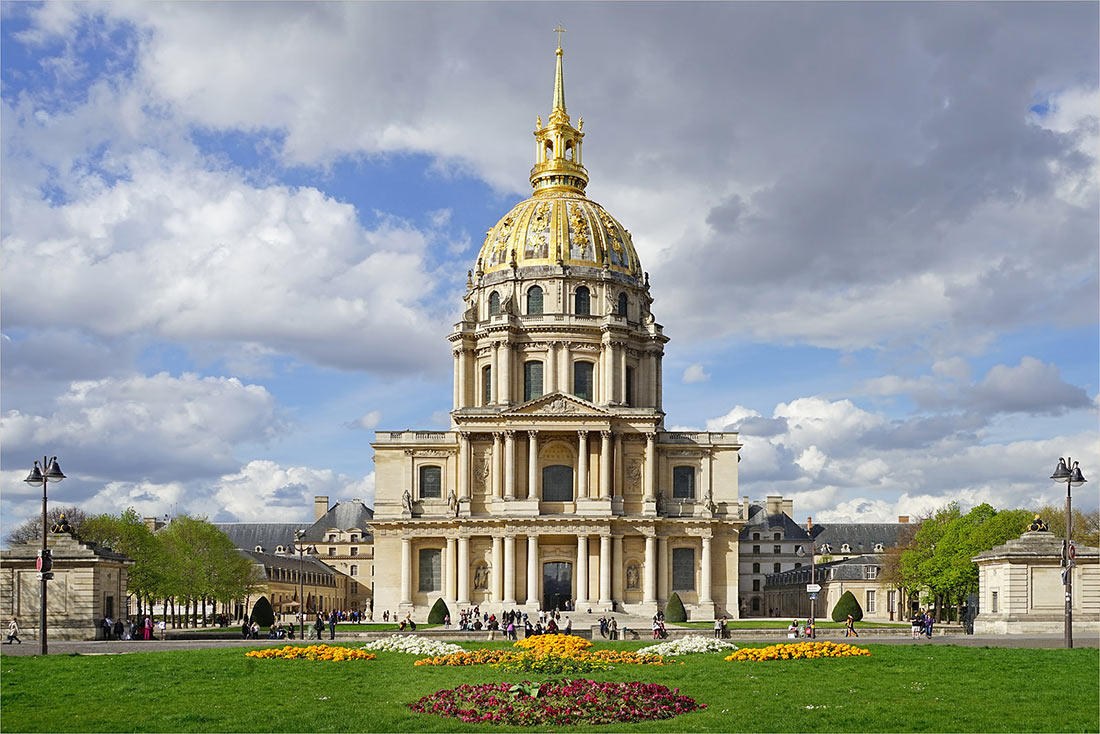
(236, 235)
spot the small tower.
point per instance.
(558, 146)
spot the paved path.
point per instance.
(30, 647)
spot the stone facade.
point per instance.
(89, 583)
(1021, 591)
(785, 593)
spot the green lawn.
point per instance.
(773, 624)
(898, 688)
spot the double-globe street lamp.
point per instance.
(45, 562)
(1073, 478)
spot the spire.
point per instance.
(558, 147)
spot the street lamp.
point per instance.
(1072, 478)
(45, 562)
(301, 548)
(813, 575)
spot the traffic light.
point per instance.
(44, 563)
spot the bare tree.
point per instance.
(30, 530)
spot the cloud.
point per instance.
(1030, 387)
(368, 422)
(695, 373)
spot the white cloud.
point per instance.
(369, 421)
(266, 491)
(695, 373)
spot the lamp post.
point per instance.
(1072, 478)
(45, 563)
(298, 535)
(813, 575)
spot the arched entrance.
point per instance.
(557, 584)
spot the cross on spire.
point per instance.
(559, 30)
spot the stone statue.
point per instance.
(1037, 526)
(407, 502)
(481, 577)
(452, 504)
(632, 577)
(660, 502)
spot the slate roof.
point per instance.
(345, 516)
(861, 536)
(267, 535)
(760, 521)
(849, 569)
(274, 560)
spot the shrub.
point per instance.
(262, 614)
(674, 610)
(847, 605)
(439, 612)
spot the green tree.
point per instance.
(438, 612)
(129, 535)
(674, 610)
(845, 605)
(1086, 525)
(262, 613)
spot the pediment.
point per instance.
(558, 404)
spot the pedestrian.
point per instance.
(928, 622)
(120, 629)
(850, 627)
(917, 625)
(107, 626)
(332, 626)
(717, 629)
(13, 632)
(568, 626)
(613, 629)
(147, 628)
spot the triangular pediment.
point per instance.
(558, 404)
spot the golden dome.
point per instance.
(555, 229)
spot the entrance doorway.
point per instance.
(557, 584)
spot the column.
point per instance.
(451, 584)
(662, 568)
(618, 484)
(509, 570)
(657, 376)
(605, 373)
(651, 467)
(704, 570)
(565, 369)
(504, 392)
(463, 570)
(497, 464)
(649, 577)
(496, 577)
(582, 571)
(493, 362)
(605, 465)
(509, 465)
(612, 372)
(459, 381)
(616, 569)
(464, 465)
(532, 570)
(582, 465)
(620, 376)
(532, 465)
(605, 571)
(406, 570)
(550, 367)
(651, 380)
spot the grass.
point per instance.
(774, 624)
(898, 688)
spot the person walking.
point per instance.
(613, 629)
(850, 627)
(332, 619)
(13, 632)
(928, 622)
(717, 629)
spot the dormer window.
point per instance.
(259, 549)
(846, 548)
(279, 549)
(879, 548)
(825, 548)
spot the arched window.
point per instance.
(549, 150)
(532, 380)
(568, 151)
(756, 536)
(534, 300)
(494, 303)
(622, 304)
(431, 482)
(582, 380)
(583, 301)
(778, 536)
(557, 483)
(683, 482)
(486, 385)
(756, 568)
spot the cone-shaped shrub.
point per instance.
(438, 613)
(262, 613)
(845, 606)
(674, 610)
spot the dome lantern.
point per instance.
(558, 144)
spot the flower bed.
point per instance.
(468, 657)
(561, 644)
(565, 703)
(689, 645)
(550, 663)
(548, 654)
(311, 652)
(798, 651)
(413, 645)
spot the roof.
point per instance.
(760, 521)
(860, 536)
(274, 560)
(849, 569)
(352, 515)
(267, 535)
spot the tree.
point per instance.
(262, 613)
(1086, 525)
(846, 605)
(438, 612)
(129, 535)
(30, 530)
(674, 610)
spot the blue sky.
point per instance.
(870, 228)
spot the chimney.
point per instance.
(788, 507)
(774, 504)
(320, 507)
(903, 519)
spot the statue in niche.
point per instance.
(634, 474)
(481, 472)
(708, 502)
(481, 577)
(452, 504)
(660, 502)
(632, 577)
(407, 502)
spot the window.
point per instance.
(532, 380)
(825, 548)
(583, 301)
(332, 551)
(534, 301)
(891, 601)
(756, 584)
(798, 549)
(798, 565)
(278, 549)
(355, 550)
(845, 548)
(879, 547)
(870, 602)
(683, 482)
(628, 398)
(354, 587)
(582, 380)
(870, 572)
(756, 536)
(354, 538)
(683, 569)
(431, 482)
(756, 602)
(756, 549)
(776, 568)
(431, 569)
(777, 536)
(259, 549)
(777, 549)
(494, 303)
(557, 483)
(622, 305)
(353, 571)
(486, 385)
(332, 538)
(993, 603)
(756, 568)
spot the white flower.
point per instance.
(413, 645)
(687, 645)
